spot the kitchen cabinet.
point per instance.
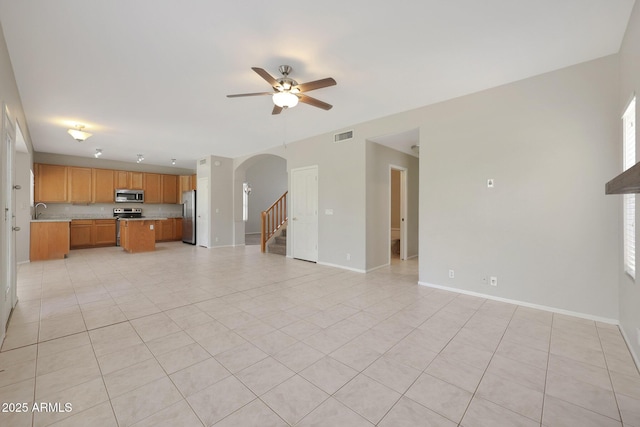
(177, 229)
(137, 235)
(152, 188)
(81, 233)
(49, 240)
(104, 232)
(186, 183)
(170, 189)
(50, 183)
(88, 233)
(168, 230)
(129, 180)
(79, 184)
(72, 184)
(103, 182)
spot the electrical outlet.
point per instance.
(150, 226)
(493, 281)
(452, 274)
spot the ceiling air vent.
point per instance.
(343, 136)
(203, 161)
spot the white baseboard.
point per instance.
(412, 256)
(24, 262)
(525, 304)
(378, 267)
(328, 264)
(633, 353)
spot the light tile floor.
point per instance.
(187, 336)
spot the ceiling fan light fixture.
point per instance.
(78, 134)
(285, 99)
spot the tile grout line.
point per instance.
(606, 364)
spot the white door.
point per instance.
(8, 250)
(304, 213)
(202, 213)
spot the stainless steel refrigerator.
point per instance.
(189, 217)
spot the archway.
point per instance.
(267, 177)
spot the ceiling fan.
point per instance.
(287, 92)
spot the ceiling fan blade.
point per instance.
(238, 95)
(268, 77)
(276, 110)
(316, 84)
(315, 102)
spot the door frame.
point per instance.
(8, 262)
(292, 221)
(403, 211)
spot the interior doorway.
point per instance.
(398, 207)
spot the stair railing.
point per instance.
(272, 219)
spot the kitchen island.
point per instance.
(138, 234)
(49, 239)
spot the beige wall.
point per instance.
(546, 229)
(630, 83)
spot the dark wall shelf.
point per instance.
(626, 183)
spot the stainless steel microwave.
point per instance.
(129, 196)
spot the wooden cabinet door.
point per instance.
(167, 230)
(105, 232)
(103, 186)
(49, 240)
(50, 184)
(194, 182)
(136, 180)
(158, 228)
(81, 233)
(152, 188)
(170, 189)
(79, 182)
(121, 179)
(184, 184)
(177, 229)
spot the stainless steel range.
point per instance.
(125, 213)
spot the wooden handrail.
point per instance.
(272, 219)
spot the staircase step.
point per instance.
(281, 240)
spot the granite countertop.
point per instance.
(51, 220)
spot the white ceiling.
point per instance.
(150, 76)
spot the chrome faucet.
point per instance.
(36, 209)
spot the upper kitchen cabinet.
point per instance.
(79, 183)
(152, 188)
(169, 189)
(129, 180)
(103, 185)
(186, 183)
(50, 183)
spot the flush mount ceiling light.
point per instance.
(78, 134)
(98, 153)
(140, 158)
